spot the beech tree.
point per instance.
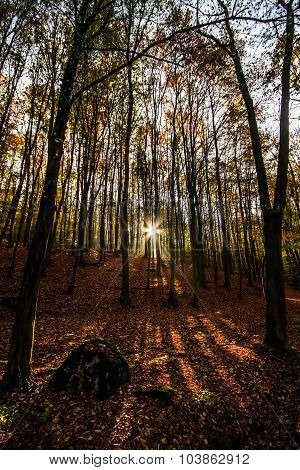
(19, 363)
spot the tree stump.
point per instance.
(95, 367)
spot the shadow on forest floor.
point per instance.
(229, 392)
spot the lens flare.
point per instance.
(152, 230)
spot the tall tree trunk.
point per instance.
(172, 297)
(226, 255)
(118, 205)
(245, 231)
(211, 224)
(125, 292)
(276, 331)
(18, 368)
(102, 242)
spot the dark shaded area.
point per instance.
(95, 367)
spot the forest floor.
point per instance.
(230, 392)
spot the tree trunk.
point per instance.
(125, 293)
(18, 368)
(276, 332)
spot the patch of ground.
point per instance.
(228, 391)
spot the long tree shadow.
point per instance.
(240, 367)
(226, 395)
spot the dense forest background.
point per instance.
(161, 137)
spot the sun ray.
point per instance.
(152, 229)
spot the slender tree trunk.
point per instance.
(125, 292)
(211, 224)
(172, 297)
(103, 208)
(118, 205)
(226, 255)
